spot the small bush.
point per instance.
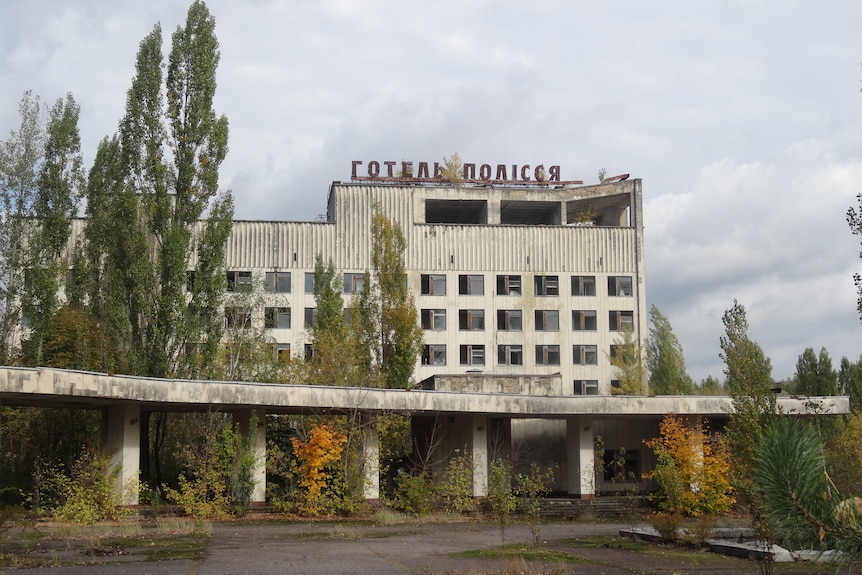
(413, 493)
(456, 490)
(667, 525)
(87, 493)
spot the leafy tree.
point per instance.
(844, 457)
(452, 168)
(665, 360)
(386, 309)
(627, 356)
(815, 375)
(749, 382)
(247, 351)
(19, 183)
(850, 381)
(152, 184)
(796, 493)
(710, 386)
(854, 220)
(323, 446)
(692, 472)
(217, 464)
(530, 488)
(501, 500)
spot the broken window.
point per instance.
(277, 282)
(547, 320)
(471, 319)
(471, 285)
(508, 285)
(433, 284)
(583, 285)
(434, 319)
(584, 320)
(509, 320)
(472, 355)
(547, 285)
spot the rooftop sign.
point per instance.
(513, 174)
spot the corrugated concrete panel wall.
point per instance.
(522, 249)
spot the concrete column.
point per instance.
(581, 465)
(121, 438)
(258, 437)
(370, 459)
(480, 455)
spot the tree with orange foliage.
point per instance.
(323, 446)
(692, 471)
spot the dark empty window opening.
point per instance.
(456, 211)
(530, 213)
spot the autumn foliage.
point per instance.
(692, 471)
(324, 446)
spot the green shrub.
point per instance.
(413, 493)
(456, 490)
(87, 494)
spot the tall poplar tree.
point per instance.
(388, 317)
(151, 188)
(60, 187)
(750, 385)
(627, 357)
(19, 176)
(665, 360)
(814, 374)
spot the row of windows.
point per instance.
(512, 320)
(435, 284)
(435, 319)
(474, 354)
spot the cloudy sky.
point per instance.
(743, 118)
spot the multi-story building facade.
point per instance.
(507, 278)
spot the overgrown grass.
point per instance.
(686, 554)
(526, 553)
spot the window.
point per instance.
(278, 282)
(190, 280)
(583, 285)
(622, 465)
(308, 351)
(309, 316)
(237, 317)
(471, 319)
(276, 318)
(585, 354)
(282, 352)
(472, 355)
(508, 285)
(353, 282)
(547, 285)
(620, 286)
(509, 320)
(547, 355)
(434, 319)
(584, 320)
(433, 284)
(348, 315)
(471, 285)
(586, 387)
(547, 320)
(615, 350)
(619, 319)
(434, 355)
(510, 355)
(238, 281)
(309, 282)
